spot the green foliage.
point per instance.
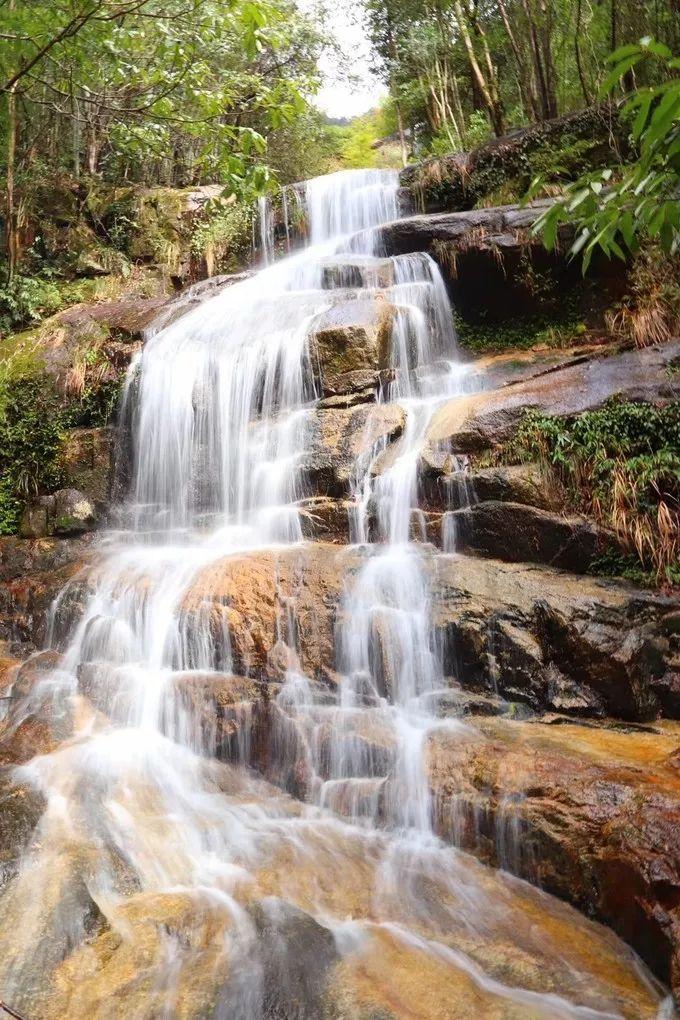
(357, 139)
(33, 420)
(30, 436)
(616, 208)
(26, 300)
(545, 330)
(621, 463)
(223, 236)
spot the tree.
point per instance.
(616, 208)
(174, 91)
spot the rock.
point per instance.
(87, 460)
(515, 532)
(65, 512)
(589, 814)
(445, 489)
(352, 336)
(338, 437)
(72, 513)
(460, 180)
(245, 598)
(360, 271)
(20, 810)
(324, 519)
(35, 669)
(552, 640)
(32, 573)
(224, 716)
(472, 424)
(297, 955)
(125, 319)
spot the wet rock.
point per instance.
(552, 640)
(324, 519)
(297, 955)
(352, 336)
(20, 810)
(470, 424)
(360, 271)
(253, 602)
(34, 670)
(590, 814)
(32, 573)
(226, 716)
(448, 489)
(516, 532)
(339, 437)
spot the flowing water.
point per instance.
(161, 882)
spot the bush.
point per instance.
(30, 437)
(26, 300)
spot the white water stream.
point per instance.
(157, 876)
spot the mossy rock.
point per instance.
(561, 149)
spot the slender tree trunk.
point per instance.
(524, 80)
(577, 54)
(548, 62)
(538, 61)
(495, 113)
(402, 136)
(11, 226)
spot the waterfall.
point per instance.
(161, 882)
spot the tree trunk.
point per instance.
(524, 80)
(577, 54)
(11, 227)
(494, 110)
(548, 62)
(538, 61)
(402, 136)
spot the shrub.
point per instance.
(25, 300)
(621, 464)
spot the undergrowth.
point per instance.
(33, 420)
(621, 464)
(543, 330)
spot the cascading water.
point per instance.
(161, 883)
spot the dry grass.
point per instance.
(652, 324)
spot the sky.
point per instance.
(339, 96)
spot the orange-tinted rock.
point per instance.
(254, 600)
(590, 814)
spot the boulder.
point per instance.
(356, 271)
(297, 956)
(65, 512)
(472, 424)
(32, 573)
(351, 336)
(459, 180)
(339, 437)
(249, 599)
(324, 519)
(20, 810)
(552, 640)
(87, 460)
(516, 532)
(445, 489)
(589, 814)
